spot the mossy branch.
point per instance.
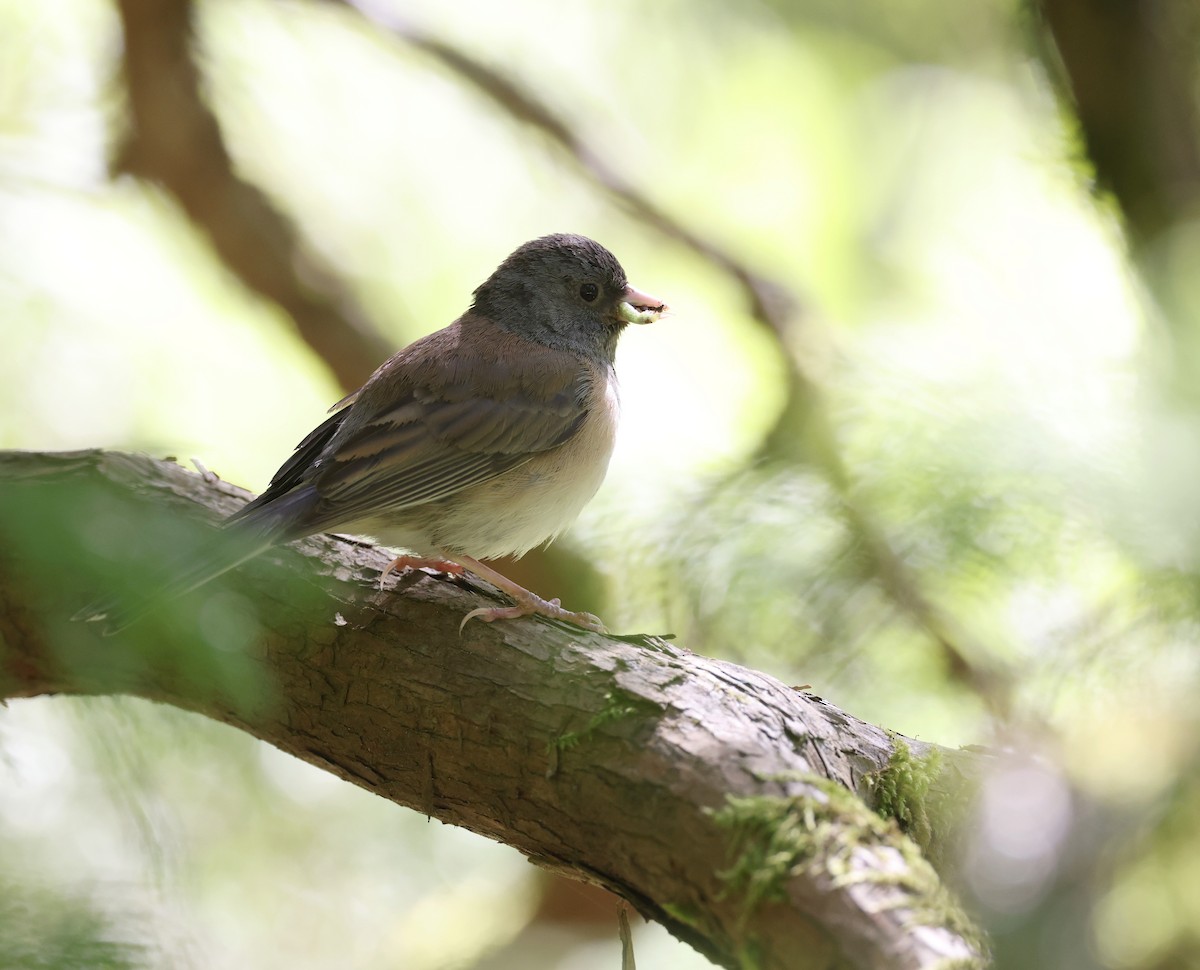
(713, 798)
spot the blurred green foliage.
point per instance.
(45, 929)
(1000, 388)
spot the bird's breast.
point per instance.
(534, 502)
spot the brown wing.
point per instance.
(450, 411)
(268, 509)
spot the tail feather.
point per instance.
(253, 532)
(117, 613)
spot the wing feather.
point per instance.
(449, 412)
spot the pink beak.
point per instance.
(639, 307)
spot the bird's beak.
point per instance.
(637, 307)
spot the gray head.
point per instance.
(567, 292)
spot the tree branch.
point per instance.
(713, 798)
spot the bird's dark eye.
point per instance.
(589, 291)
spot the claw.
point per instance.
(534, 606)
(489, 614)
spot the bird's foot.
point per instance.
(420, 562)
(528, 604)
(533, 605)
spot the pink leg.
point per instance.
(527, 602)
(420, 562)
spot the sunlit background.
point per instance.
(1000, 401)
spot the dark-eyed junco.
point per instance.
(482, 440)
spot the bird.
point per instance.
(482, 440)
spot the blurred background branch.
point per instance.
(173, 140)
(1129, 72)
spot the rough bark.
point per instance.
(713, 798)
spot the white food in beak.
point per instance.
(639, 307)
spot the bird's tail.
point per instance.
(255, 530)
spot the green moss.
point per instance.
(617, 706)
(901, 790)
(774, 838)
(683, 913)
(750, 955)
(927, 797)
